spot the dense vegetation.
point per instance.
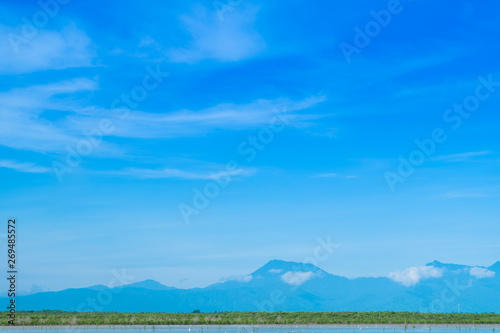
(247, 318)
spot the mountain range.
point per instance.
(291, 286)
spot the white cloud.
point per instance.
(238, 278)
(23, 167)
(481, 273)
(326, 175)
(225, 116)
(461, 157)
(297, 278)
(67, 48)
(22, 121)
(54, 116)
(231, 39)
(413, 275)
(275, 271)
(182, 174)
(246, 278)
(37, 98)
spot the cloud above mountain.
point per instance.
(413, 275)
(238, 278)
(297, 278)
(481, 273)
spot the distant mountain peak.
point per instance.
(436, 264)
(149, 284)
(451, 267)
(302, 286)
(495, 267)
(280, 267)
(97, 287)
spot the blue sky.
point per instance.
(114, 115)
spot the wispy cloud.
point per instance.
(37, 98)
(231, 39)
(22, 120)
(460, 157)
(224, 116)
(23, 167)
(413, 275)
(67, 48)
(27, 125)
(181, 174)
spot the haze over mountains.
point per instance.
(290, 286)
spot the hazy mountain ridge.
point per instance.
(290, 286)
